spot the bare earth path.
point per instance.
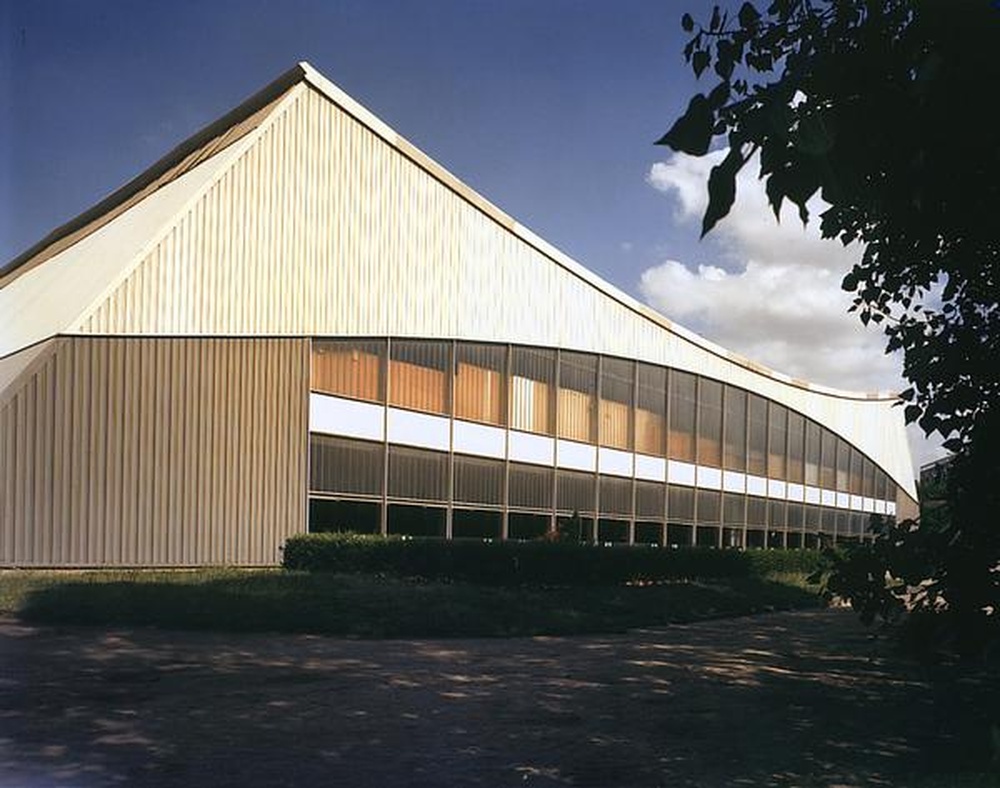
(803, 699)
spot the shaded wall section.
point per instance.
(157, 452)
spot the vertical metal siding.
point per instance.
(155, 452)
(323, 228)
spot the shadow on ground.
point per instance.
(804, 699)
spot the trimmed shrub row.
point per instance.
(532, 563)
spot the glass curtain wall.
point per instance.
(600, 401)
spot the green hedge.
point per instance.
(535, 563)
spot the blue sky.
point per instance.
(549, 108)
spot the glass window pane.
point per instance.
(776, 515)
(734, 509)
(868, 471)
(796, 447)
(709, 503)
(341, 465)
(680, 504)
(757, 437)
(530, 486)
(649, 499)
(880, 484)
(828, 461)
(478, 480)
(682, 416)
(418, 474)
(617, 385)
(857, 472)
(418, 375)
(651, 410)
(348, 368)
(777, 447)
(615, 495)
(577, 396)
(575, 492)
(843, 465)
(812, 453)
(532, 390)
(709, 423)
(756, 511)
(735, 450)
(479, 383)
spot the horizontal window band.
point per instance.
(343, 417)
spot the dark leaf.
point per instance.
(719, 95)
(749, 16)
(912, 413)
(775, 194)
(700, 61)
(726, 56)
(716, 22)
(721, 189)
(692, 132)
(687, 23)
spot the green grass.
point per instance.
(367, 606)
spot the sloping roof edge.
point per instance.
(37, 252)
(421, 159)
(303, 71)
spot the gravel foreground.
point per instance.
(807, 698)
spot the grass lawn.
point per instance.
(275, 600)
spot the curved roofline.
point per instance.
(303, 71)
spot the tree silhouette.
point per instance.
(882, 108)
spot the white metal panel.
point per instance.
(614, 462)
(734, 482)
(346, 417)
(576, 456)
(796, 492)
(828, 498)
(868, 505)
(479, 439)
(813, 495)
(776, 489)
(681, 472)
(418, 429)
(15, 364)
(709, 478)
(843, 501)
(879, 507)
(51, 297)
(857, 502)
(536, 449)
(756, 485)
(652, 469)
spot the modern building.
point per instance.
(297, 320)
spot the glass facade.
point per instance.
(599, 442)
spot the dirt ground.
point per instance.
(803, 699)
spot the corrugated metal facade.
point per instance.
(324, 228)
(165, 452)
(305, 216)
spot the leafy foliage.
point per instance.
(880, 107)
(531, 563)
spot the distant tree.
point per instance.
(883, 108)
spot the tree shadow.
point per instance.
(804, 698)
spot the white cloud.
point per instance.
(773, 293)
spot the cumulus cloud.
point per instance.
(772, 291)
